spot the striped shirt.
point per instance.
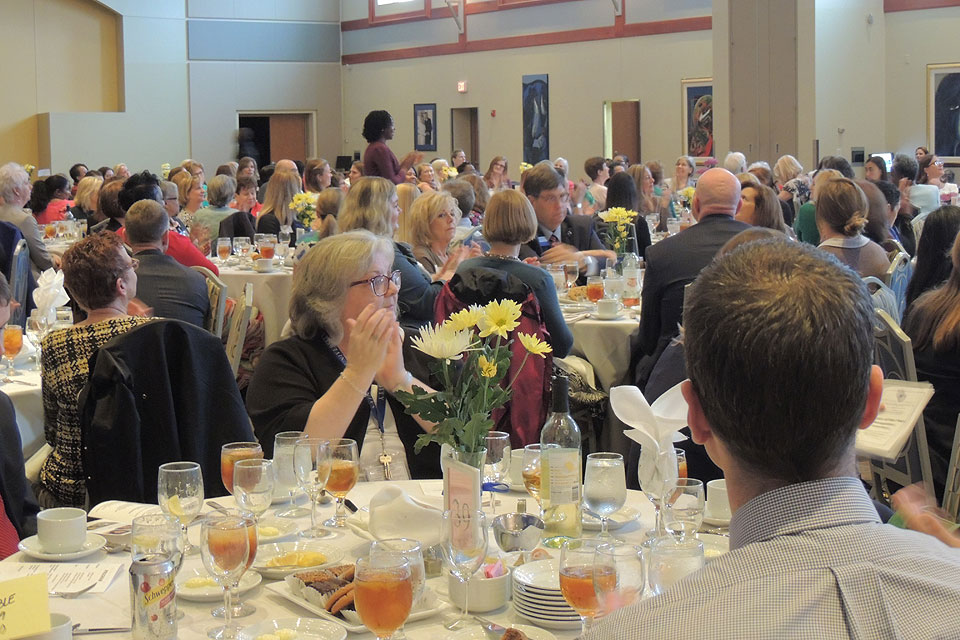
(810, 560)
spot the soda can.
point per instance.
(153, 598)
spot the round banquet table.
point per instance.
(112, 607)
(271, 294)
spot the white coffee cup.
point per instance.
(516, 466)
(62, 530)
(61, 628)
(608, 309)
(718, 503)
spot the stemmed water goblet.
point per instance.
(531, 472)
(464, 546)
(604, 487)
(12, 343)
(283, 445)
(625, 563)
(311, 464)
(683, 502)
(497, 464)
(180, 494)
(230, 453)
(577, 578)
(411, 551)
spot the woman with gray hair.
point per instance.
(220, 192)
(337, 375)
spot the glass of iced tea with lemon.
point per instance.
(344, 473)
(383, 593)
(577, 576)
(230, 453)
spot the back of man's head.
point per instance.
(779, 345)
(718, 191)
(889, 191)
(541, 177)
(463, 192)
(903, 166)
(146, 222)
(139, 186)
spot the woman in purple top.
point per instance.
(378, 159)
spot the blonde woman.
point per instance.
(190, 193)
(276, 211)
(406, 194)
(434, 218)
(427, 177)
(85, 202)
(791, 182)
(805, 222)
(497, 177)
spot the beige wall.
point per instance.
(582, 77)
(59, 55)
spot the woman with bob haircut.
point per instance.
(841, 217)
(102, 279)
(276, 211)
(434, 217)
(378, 159)
(759, 207)
(508, 223)
(497, 175)
(345, 340)
(85, 202)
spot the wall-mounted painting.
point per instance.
(425, 127)
(697, 114)
(536, 118)
(943, 111)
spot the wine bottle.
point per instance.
(560, 462)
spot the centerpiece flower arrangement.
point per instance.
(472, 353)
(165, 170)
(29, 168)
(619, 221)
(449, 173)
(686, 196)
(305, 204)
(525, 166)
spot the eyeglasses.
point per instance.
(134, 264)
(378, 284)
(939, 163)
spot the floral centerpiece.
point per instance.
(165, 170)
(305, 204)
(686, 197)
(472, 352)
(619, 222)
(29, 168)
(525, 166)
(449, 173)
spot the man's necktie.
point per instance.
(554, 240)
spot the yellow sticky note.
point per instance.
(24, 607)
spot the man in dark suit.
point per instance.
(676, 261)
(173, 290)
(560, 237)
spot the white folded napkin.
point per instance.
(50, 294)
(655, 434)
(27, 351)
(394, 514)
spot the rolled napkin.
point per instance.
(394, 514)
(655, 434)
(50, 294)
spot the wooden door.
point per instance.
(288, 136)
(625, 128)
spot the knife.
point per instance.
(493, 630)
(80, 632)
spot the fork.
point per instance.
(16, 381)
(70, 595)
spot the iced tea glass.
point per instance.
(577, 578)
(230, 453)
(12, 343)
(384, 593)
(225, 549)
(344, 473)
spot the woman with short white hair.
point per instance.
(337, 376)
(792, 183)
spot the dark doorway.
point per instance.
(260, 126)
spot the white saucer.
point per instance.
(207, 593)
(619, 316)
(31, 547)
(717, 522)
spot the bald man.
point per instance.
(676, 261)
(286, 165)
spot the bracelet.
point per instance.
(351, 383)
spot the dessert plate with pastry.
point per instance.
(513, 632)
(294, 629)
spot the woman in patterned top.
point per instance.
(101, 278)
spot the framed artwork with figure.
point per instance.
(943, 111)
(697, 117)
(536, 118)
(425, 127)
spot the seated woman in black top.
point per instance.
(276, 211)
(346, 349)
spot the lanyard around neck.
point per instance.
(378, 407)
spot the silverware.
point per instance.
(219, 507)
(113, 547)
(492, 629)
(80, 632)
(17, 381)
(70, 595)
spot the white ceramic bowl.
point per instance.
(486, 594)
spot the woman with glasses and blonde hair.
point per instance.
(497, 177)
(343, 364)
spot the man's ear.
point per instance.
(700, 429)
(874, 396)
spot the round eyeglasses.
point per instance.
(378, 284)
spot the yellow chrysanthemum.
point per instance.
(443, 342)
(465, 319)
(534, 345)
(488, 369)
(499, 317)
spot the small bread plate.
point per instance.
(207, 592)
(477, 633)
(619, 316)
(430, 606)
(274, 529)
(626, 515)
(282, 497)
(714, 546)
(715, 521)
(305, 628)
(31, 547)
(282, 554)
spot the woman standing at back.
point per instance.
(378, 159)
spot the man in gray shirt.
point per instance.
(14, 194)
(779, 348)
(173, 290)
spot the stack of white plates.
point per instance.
(537, 597)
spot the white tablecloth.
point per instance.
(271, 294)
(607, 345)
(28, 403)
(197, 619)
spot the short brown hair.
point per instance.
(509, 218)
(767, 212)
(146, 221)
(542, 177)
(90, 269)
(246, 182)
(108, 200)
(593, 166)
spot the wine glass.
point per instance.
(571, 271)
(156, 533)
(283, 444)
(243, 609)
(464, 546)
(665, 462)
(497, 464)
(531, 472)
(344, 473)
(576, 578)
(383, 593)
(672, 559)
(230, 453)
(12, 343)
(180, 494)
(619, 576)
(223, 249)
(683, 502)
(604, 487)
(253, 482)
(225, 549)
(411, 551)
(311, 466)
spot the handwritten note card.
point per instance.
(24, 610)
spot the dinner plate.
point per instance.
(619, 316)
(577, 307)
(548, 615)
(540, 574)
(31, 547)
(272, 550)
(474, 632)
(284, 526)
(548, 622)
(624, 516)
(431, 606)
(208, 593)
(306, 628)
(717, 522)
(714, 546)
(546, 601)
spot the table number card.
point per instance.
(461, 490)
(24, 608)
